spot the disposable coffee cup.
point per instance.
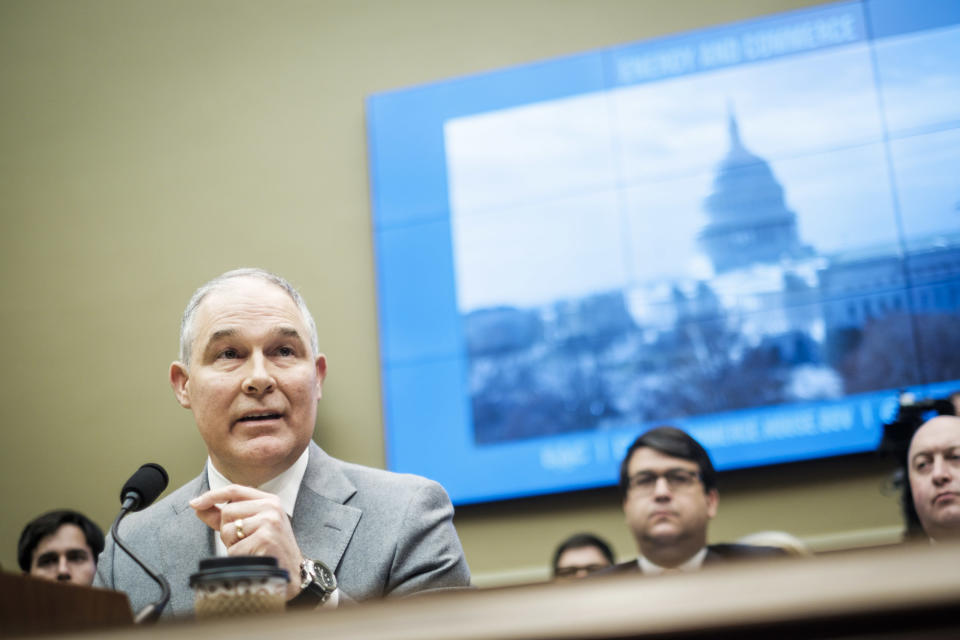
(238, 585)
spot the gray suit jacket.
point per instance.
(382, 533)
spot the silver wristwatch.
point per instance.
(317, 579)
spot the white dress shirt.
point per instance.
(693, 564)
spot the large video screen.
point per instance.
(751, 232)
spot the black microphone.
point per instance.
(140, 490)
(143, 487)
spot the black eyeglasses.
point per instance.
(677, 480)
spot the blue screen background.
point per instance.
(426, 362)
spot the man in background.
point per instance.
(251, 372)
(669, 495)
(60, 545)
(933, 478)
(580, 555)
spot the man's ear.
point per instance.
(713, 499)
(321, 365)
(179, 379)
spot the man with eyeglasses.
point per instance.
(669, 495)
(580, 555)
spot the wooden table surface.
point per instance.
(892, 592)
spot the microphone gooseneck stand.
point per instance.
(140, 491)
(152, 611)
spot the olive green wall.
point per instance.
(148, 146)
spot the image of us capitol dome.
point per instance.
(772, 321)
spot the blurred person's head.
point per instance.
(60, 545)
(669, 495)
(580, 555)
(933, 477)
(954, 399)
(790, 543)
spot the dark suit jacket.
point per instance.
(382, 533)
(717, 554)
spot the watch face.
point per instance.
(325, 577)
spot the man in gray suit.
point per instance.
(251, 372)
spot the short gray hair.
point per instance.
(186, 323)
